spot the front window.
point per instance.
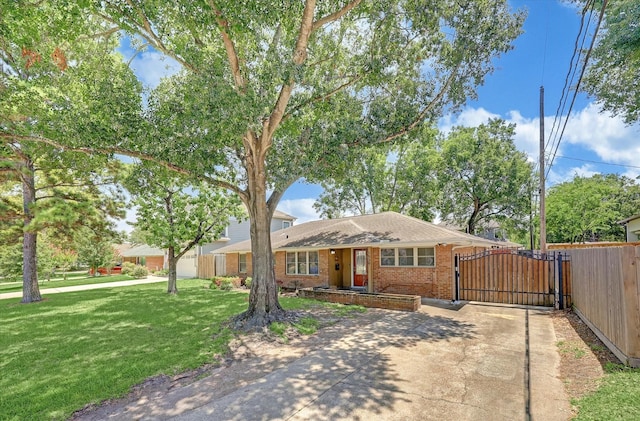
(426, 256)
(286, 224)
(405, 257)
(302, 263)
(387, 257)
(242, 263)
(408, 256)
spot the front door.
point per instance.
(360, 278)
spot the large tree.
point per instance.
(271, 91)
(483, 177)
(55, 59)
(613, 75)
(589, 208)
(57, 195)
(176, 214)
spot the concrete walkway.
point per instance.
(480, 362)
(47, 291)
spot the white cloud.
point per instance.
(151, 67)
(470, 117)
(589, 129)
(605, 134)
(558, 176)
(300, 208)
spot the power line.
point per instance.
(598, 162)
(578, 48)
(584, 67)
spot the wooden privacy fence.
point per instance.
(206, 266)
(606, 296)
(514, 277)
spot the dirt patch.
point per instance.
(582, 355)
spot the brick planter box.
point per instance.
(365, 299)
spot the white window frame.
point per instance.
(286, 224)
(415, 257)
(297, 263)
(240, 263)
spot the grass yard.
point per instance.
(617, 398)
(84, 280)
(83, 347)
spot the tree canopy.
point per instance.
(613, 75)
(380, 179)
(483, 177)
(55, 61)
(589, 208)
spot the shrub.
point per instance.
(226, 284)
(127, 268)
(247, 282)
(139, 272)
(161, 272)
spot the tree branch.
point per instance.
(420, 117)
(322, 97)
(220, 183)
(335, 16)
(145, 30)
(229, 46)
(299, 57)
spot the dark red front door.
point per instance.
(360, 277)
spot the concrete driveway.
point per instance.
(479, 362)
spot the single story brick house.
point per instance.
(152, 258)
(385, 252)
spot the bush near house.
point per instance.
(127, 268)
(139, 272)
(225, 283)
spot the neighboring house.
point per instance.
(236, 231)
(151, 257)
(385, 252)
(632, 228)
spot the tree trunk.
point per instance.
(264, 306)
(172, 286)
(30, 288)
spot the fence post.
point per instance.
(560, 281)
(457, 276)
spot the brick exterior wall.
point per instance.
(432, 282)
(302, 281)
(154, 262)
(387, 301)
(233, 265)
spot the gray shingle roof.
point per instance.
(142, 250)
(389, 228)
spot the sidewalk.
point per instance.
(46, 291)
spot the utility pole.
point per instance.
(543, 219)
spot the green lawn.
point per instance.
(618, 397)
(82, 347)
(17, 286)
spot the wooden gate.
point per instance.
(514, 277)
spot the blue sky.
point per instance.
(541, 56)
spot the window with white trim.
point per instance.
(242, 263)
(408, 256)
(286, 224)
(302, 263)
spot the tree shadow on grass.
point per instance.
(347, 371)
